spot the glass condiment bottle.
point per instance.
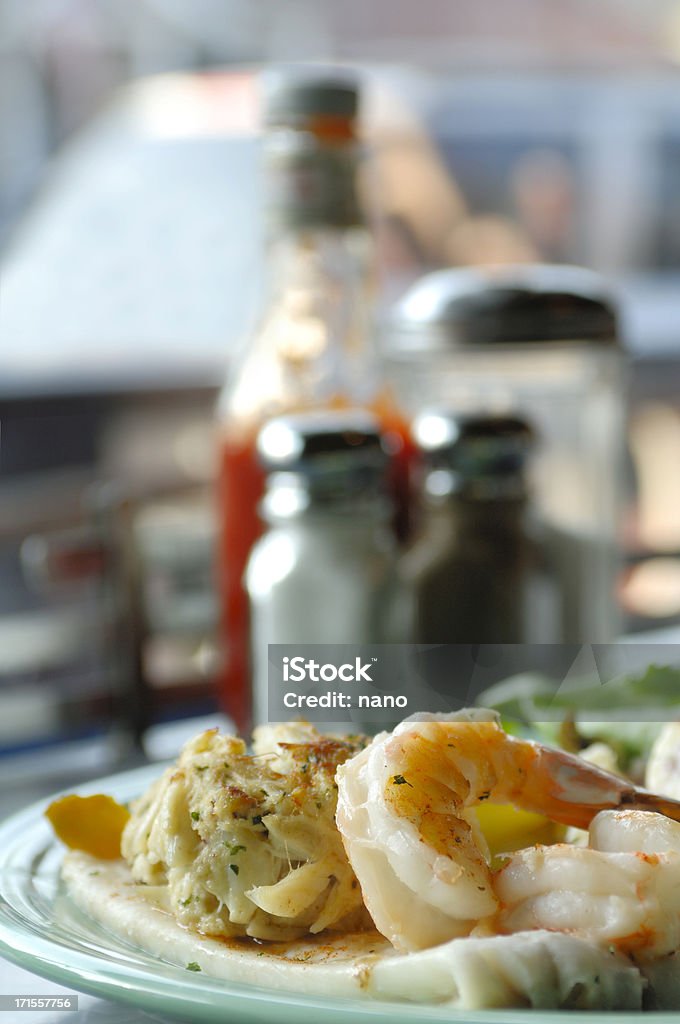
(326, 570)
(314, 345)
(477, 570)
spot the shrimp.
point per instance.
(622, 890)
(405, 812)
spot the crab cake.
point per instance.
(247, 845)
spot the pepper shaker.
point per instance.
(478, 571)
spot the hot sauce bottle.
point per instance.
(314, 346)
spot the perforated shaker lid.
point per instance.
(332, 455)
(505, 305)
(482, 455)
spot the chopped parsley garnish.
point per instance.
(186, 902)
(193, 966)
(195, 815)
(399, 780)
(233, 850)
(234, 868)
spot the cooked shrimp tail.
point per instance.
(568, 789)
(642, 800)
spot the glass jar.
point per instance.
(540, 341)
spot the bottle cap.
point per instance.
(481, 456)
(311, 166)
(292, 100)
(331, 456)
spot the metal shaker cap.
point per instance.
(291, 99)
(504, 305)
(332, 456)
(482, 456)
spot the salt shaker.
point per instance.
(326, 569)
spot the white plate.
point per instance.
(44, 932)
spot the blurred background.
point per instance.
(131, 268)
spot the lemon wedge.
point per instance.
(507, 828)
(93, 824)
